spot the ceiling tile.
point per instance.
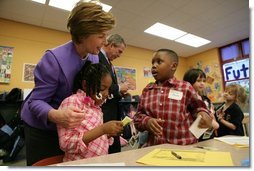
(221, 21)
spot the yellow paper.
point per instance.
(163, 157)
(126, 120)
(238, 141)
(241, 145)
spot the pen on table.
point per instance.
(206, 148)
(176, 155)
(200, 147)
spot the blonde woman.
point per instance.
(54, 75)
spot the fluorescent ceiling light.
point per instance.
(192, 40)
(69, 4)
(177, 35)
(105, 7)
(40, 1)
(165, 31)
(66, 5)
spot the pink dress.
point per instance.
(70, 140)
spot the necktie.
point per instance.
(112, 67)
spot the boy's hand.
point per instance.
(154, 126)
(206, 120)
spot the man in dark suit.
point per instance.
(112, 50)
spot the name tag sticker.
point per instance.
(176, 95)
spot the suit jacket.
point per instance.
(110, 109)
(54, 76)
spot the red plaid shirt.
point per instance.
(70, 140)
(178, 111)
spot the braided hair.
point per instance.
(92, 74)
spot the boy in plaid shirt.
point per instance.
(168, 107)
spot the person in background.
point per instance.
(168, 107)
(109, 52)
(90, 138)
(197, 78)
(230, 116)
(89, 26)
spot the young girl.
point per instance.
(230, 116)
(197, 78)
(90, 138)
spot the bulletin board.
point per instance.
(214, 87)
(147, 72)
(6, 56)
(126, 76)
(28, 72)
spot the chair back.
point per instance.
(246, 124)
(49, 160)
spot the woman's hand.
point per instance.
(67, 118)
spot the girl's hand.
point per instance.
(154, 126)
(220, 115)
(113, 128)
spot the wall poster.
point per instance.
(126, 76)
(6, 55)
(147, 72)
(28, 72)
(213, 76)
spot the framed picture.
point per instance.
(6, 55)
(28, 72)
(147, 72)
(126, 76)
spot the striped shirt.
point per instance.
(71, 140)
(175, 102)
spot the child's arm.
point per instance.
(235, 119)
(144, 122)
(140, 119)
(196, 106)
(71, 140)
(154, 126)
(220, 115)
(206, 120)
(112, 128)
(215, 124)
(227, 124)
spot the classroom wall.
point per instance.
(208, 61)
(30, 43)
(139, 58)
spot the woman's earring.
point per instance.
(99, 96)
(110, 96)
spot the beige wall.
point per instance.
(136, 58)
(30, 43)
(208, 61)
